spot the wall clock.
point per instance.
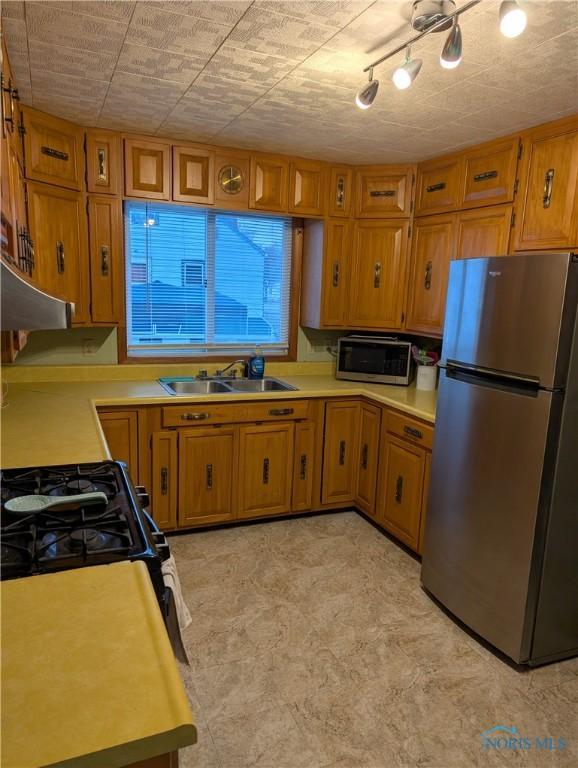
(231, 179)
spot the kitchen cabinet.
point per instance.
(121, 433)
(221, 413)
(193, 175)
(432, 250)
(368, 458)
(326, 274)
(164, 485)
(306, 188)
(384, 191)
(106, 259)
(378, 274)
(304, 457)
(547, 204)
(424, 502)
(265, 469)
(17, 247)
(439, 185)
(483, 232)
(490, 173)
(147, 168)
(57, 219)
(103, 162)
(53, 150)
(10, 106)
(268, 187)
(207, 475)
(340, 191)
(340, 452)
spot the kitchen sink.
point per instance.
(192, 386)
(195, 387)
(260, 385)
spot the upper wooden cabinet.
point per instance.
(232, 171)
(103, 162)
(384, 191)
(53, 149)
(193, 175)
(268, 190)
(483, 232)
(547, 205)
(378, 274)
(147, 169)
(490, 173)
(439, 185)
(432, 249)
(306, 187)
(340, 191)
(106, 259)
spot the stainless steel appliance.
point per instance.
(381, 359)
(501, 540)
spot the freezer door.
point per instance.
(508, 314)
(486, 478)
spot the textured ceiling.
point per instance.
(282, 76)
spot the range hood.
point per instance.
(25, 308)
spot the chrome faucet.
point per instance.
(220, 371)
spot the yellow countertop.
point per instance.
(47, 423)
(89, 677)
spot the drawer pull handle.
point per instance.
(377, 274)
(548, 184)
(399, 489)
(486, 175)
(382, 193)
(335, 280)
(102, 164)
(340, 193)
(303, 464)
(60, 257)
(55, 153)
(164, 481)
(104, 260)
(281, 411)
(195, 416)
(427, 276)
(412, 432)
(341, 453)
(209, 475)
(265, 470)
(364, 456)
(436, 187)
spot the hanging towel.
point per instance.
(171, 579)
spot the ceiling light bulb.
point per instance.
(404, 76)
(451, 55)
(513, 19)
(365, 97)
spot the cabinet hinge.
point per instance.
(520, 150)
(513, 219)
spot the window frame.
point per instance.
(294, 303)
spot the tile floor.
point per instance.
(313, 646)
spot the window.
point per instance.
(201, 281)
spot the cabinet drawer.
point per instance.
(410, 429)
(438, 185)
(230, 413)
(490, 172)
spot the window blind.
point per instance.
(201, 281)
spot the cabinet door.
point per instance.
(103, 165)
(306, 187)
(424, 501)
(490, 173)
(384, 191)
(268, 190)
(207, 475)
(121, 432)
(340, 191)
(379, 274)
(432, 250)
(57, 220)
(193, 175)
(340, 452)
(401, 487)
(368, 458)
(303, 466)
(484, 232)
(164, 449)
(547, 208)
(106, 258)
(53, 150)
(15, 241)
(147, 169)
(335, 289)
(439, 185)
(266, 469)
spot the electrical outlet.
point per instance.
(89, 346)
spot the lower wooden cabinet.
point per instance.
(424, 502)
(265, 469)
(121, 432)
(340, 452)
(164, 485)
(368, 458)
(304, 457)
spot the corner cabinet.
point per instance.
(147, 169)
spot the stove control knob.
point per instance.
(142, 495)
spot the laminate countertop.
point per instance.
(47, 423)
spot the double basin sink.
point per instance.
(194, 386)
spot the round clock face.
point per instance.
(231, 179)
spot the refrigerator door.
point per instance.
(485, 493)
(511, 314)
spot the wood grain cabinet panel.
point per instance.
(384, 191)
(193, 175)
(238, 197)
(147, 169)
(303, 468)
(340, 452)
(103, 162)
(53, 150)
(106, 259)
(368, 458)
(121, 433)
(340, 191)
(266, 469)
(424, 502)
(490, 173)
(483, 232)
(268, 190)
(306, 187)
(439, 185)
(378, 274)
(164, 487)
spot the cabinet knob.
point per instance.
(164, 481)
(335, 281)
(427, 276)
(209, 476)
(265, 470)
(436, 187)
(377, 274)
(303, 465)
(364, 456)
(341, 453)
(102, 164)
(104, 260)
(548, 185)
(281, 411)
(486, 175)
(412, 432)
(399, 489)
(60, 257)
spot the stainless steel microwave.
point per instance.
(375, 358)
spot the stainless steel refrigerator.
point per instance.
(501, 539)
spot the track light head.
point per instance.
(365, 96)
(513, 19)
(451, 55)
(404, 76)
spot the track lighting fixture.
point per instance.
(404, 76)
(452, 52)
(512, 19)
(365, 96)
